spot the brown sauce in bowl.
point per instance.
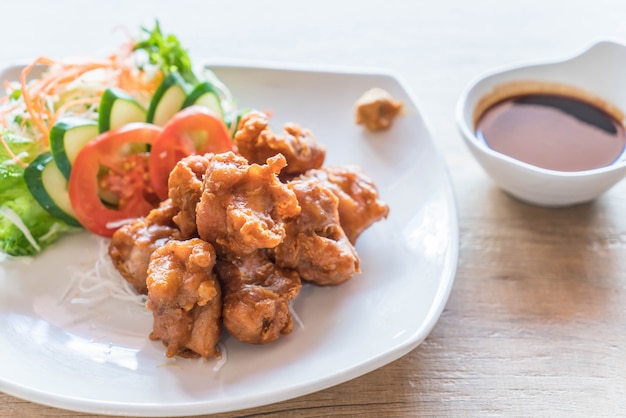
(552, 131)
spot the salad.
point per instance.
(91, 144)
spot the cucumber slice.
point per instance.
(205, 94)
(49, 188)
(167, 100)
(117, 108)
(67, 138)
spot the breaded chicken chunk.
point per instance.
(315, 245)
(256, 298)
(257, 142)
(359, 203)
(185, 298)
(185, 187)
(243, 206)
(132, 244)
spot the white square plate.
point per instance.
(98, 358)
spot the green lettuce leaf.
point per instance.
(15, 199)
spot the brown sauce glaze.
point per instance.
(552, 131)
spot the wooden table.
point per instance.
(536, 322)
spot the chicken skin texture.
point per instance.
(132, 244)
(256, 298)
(185, 298)
(185, 187)
(257, 142)
(315, 244)
(359, 203)
(243, 206)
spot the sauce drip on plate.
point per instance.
(552, 131)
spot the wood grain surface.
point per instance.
(536, 321)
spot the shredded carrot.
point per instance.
(136, 82)
(34, 106)
(38, 95)
(128, 77)
(35, 95)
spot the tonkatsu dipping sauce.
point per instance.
(552, 131)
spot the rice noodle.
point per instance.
(95, 281)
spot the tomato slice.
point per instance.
(108, 167)
(193, 130)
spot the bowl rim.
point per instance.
(476, 144)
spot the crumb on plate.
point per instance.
(376, 109)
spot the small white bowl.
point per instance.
(599, 70)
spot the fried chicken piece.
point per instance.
(256, 298)
(243, 206)
(256, 142)
(185, 298)
(316, 245)
(376, 109)
(359, 203)
(132, 244)
(185, 186)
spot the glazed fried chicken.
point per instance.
(256, 298)
(257, 142)
(185, 298)
(232, 243)
(359, 203)
(315, 244)
(185, 187)
(243, 206)
(132, 244)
